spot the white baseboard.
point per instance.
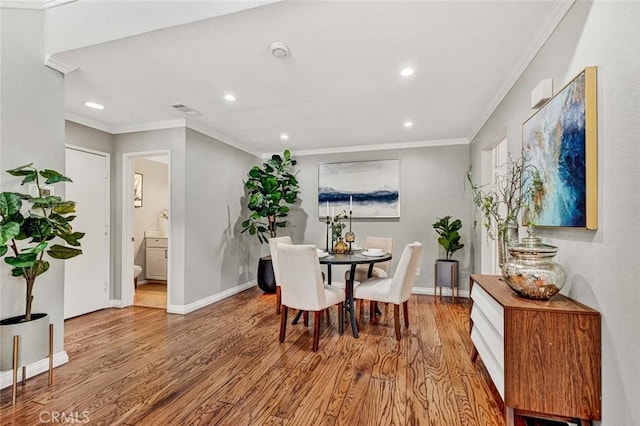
(430, 291)
(6, 377)
(185, 309)
(116, 304)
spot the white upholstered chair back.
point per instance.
(384, 243)
(273, 242)
(405, 273)
(300, 277)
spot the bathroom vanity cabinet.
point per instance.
(156, 258)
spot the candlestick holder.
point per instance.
(328, 222)
(350, 237)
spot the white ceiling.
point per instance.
(339, 90)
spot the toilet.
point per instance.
(136, 271)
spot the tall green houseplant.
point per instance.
(29, 224)
(270, 188)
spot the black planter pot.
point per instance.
(266, 277)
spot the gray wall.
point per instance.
(431, 186)
(215, 208)
(31, 130)
(602, 265)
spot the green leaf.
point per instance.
(8, 231)
(287, 155)
(23, 260)
(43, 266)
(65, 207)
(255, 172)
(17, 272)
(27, 171)
(270, 184)
(72, 238)
(38, 229)
(10, 203)
(20, 171)
(52, 176)
(39, 248)
(62, 252)
(3, 250)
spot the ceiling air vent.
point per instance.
(185, 109)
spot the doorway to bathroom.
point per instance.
(146, 258)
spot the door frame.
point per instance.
(107, 212)
(126, 214)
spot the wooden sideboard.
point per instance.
(542, 355)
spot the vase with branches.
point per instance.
(500, 204)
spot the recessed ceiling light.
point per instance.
(284, 137)
(406, 72)
(408, 124)
(94, 105)
(229, 97)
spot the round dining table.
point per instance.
(352, 259)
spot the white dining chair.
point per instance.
(273, 242)
(397, 289)
(380, 270)
(302, 287)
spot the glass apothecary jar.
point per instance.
(531, 271)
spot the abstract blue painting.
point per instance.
(370, 188)
(559, 140)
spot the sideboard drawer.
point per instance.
(489, 307)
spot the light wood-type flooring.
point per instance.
(151, 295)
(223, 365)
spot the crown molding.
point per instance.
(59, 65)
(151, 125)
(379, 147)
(556, 15)
(189, 124)
(88, 122)
(222, 138)
(32, 4)
(48, 4)
(22, 4)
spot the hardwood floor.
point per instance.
(223, 365)
(151, 295)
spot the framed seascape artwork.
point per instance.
(137, 190)
(560, 141)
(369, 188)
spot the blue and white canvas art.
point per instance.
(371, 188)
(555, 142)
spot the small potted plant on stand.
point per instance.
(270, 188)
(28, 224)
(446, 270)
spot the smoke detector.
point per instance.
(280, 50)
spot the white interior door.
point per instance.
(86, 286)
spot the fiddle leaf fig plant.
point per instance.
(28, 225)
(448, 236)
(270, 188)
